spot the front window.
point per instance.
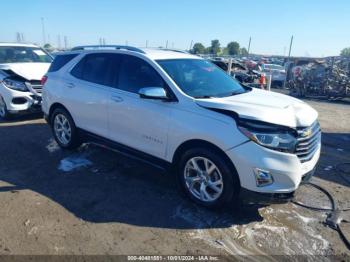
(200, 78)
(23, 54)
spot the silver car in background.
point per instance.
(277, 72)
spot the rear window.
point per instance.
(60, 61)
(97, 68)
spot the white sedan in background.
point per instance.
(22, 67)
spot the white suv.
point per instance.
(22, 67)
(173, 109)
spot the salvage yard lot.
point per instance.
(94, 201)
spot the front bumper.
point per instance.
(17, 101)
(252, 197)
(287, 170)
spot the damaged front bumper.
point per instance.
(18, 101)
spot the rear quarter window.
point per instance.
(60, 61)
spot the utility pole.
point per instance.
(43, 29)
(250, 41)
(59, 42)
(290, 50)
(65, 42)
(290, 47)
(146, 43)
(166, 45)
(191, 45)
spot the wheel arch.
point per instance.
(198, 143)
(53, 107)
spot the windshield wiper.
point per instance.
(202, 97)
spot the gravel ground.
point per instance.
(94, 201)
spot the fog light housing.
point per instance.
(262, 177)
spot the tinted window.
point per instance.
(60, 61)
(97, 68)
(136, 73)
(77, 71)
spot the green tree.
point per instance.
(345, 52)
(215, 47)
(233, 48)
(48, 47)
(243, 51)
(198, 48)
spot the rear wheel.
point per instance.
(64, 129)
(207, 178)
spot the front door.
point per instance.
(139, 123)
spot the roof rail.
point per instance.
(91, 47)
(174, 50)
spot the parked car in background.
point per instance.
(239, 71)
(179, 111)
(22, 67)
(277, 72)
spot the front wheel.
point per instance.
(207, 178)
(64, 129)
(4, 113)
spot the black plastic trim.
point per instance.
(125, 150)
(252, 197)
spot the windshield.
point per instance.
(200, 78)
(23, 54)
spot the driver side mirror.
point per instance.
(158, 93)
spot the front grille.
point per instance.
(35, 87)
(309, 139)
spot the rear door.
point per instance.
(138, 123)
(88, 89)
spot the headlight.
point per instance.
(16, 85)
(270, 136)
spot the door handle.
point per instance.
(70, 85)
(117, 99)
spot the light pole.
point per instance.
(250, 40)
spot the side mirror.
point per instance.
(158, 93)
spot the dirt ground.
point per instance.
(94, 201)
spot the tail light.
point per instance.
(43, 80)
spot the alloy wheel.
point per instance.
(62, 129)
(203, 179)
(2, 108)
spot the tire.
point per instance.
(68, 137)
(4, 113)
(229, 189)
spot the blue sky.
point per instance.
(320, 27)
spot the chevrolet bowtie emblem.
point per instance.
(307, 133)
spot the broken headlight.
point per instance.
(268, 135)
(15, 85)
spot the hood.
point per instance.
(29, 71)
(265, 106)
